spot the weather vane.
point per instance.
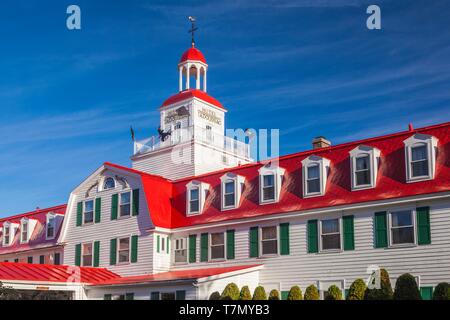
(193, 29)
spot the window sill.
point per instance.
(330, 251)
(262, 202)
(217, 260)
(123, 263)
(363, 187)
(119, 217)
(418, 179)
(402, 245)
(87, 224)
(268, 256)
(312, 195)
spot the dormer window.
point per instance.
(196, 195)
(24, 230)
(420, 154)
(364, 167)
(232, 186)
(51, 226)
(6, 234)
(109, 183)
(315, 172)
(270, 179)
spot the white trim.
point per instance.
(278, 174)
(324, 165)
(202, 192)
(49, 216)
(431, 144)
(119, 204)
(260, 240)
(238, 186)
(389, 221)
(82, 253)
(210, 258)
(23, 221)
(374, 155)
(118, 263)
(340, 249)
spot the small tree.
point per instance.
(7, 293)
(245, 294)
(385, 292)
(333, 293)
(406, 288)
(295, 293)
(274, 295)
(214, 296)
(311, 293)
(231, 292)
(260, 293)
(442, 291)
(357, 290)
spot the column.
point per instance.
(204, 81)
(187, 76)
(181, 79)
(197, 85)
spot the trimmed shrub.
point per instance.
(231, 292)
(311, 293)
(442, 291)
(357, 290)
(274, 295)
(245, 294)
(259, 294)
(406, 288)
(385, 292)
(295, 293)
(333, 293)
(214, 296)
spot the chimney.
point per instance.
(320, 142)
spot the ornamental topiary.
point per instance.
(259, 294)
(406, 288)
(295, 293)
(274, 295)
(385, 292)
(231, 292)
(357, 290)
(442, 291)
(245, 294)
(214, 296)
(333, 293)
(311, 293)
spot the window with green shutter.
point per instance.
(204, 247)
(79, 214)
(426, 293)
(113, 252)
(134, 248)
(98, 208)
(192, 248)
(423, 225)
(78, 255)
(284, 239)
(254, 242)
(135, 202)
(114, 206)
(313, 238)
(180, 295)
(230, 244)
(349, 233)
(129, 296)
(96, 253)
(381, 236)
(154, 295)
(107, 297)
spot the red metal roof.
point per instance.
(189, 94)
(192, 54)
(52, 273)
(37, 238)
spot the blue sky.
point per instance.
(307, 67)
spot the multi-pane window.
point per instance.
(362, 170)
(6, 234)
(402, 227)
(229, 194)
(124, 250)
(269, 240)
(87, 254)
(330, 234)
(180, 250)
(24, 231)
(194, 200)
(419, 161)
(89, 211)
(51, 223)
(109, 183)
(313, 179)
(218, 245)
(125, 204)
(268, 187)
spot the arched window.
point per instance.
(109, 184)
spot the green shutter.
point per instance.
(154, 295)
(180, 295)
(349, 232)
(284, 295)
(426, 293)
(113, 252)
(107, 297)
(381, 237)
(79, 214)
(313, 237)
(254, 248)
(135, 202)
(423, 225)
(129, 296)
(158, 239)
(134, 248)
(284, 239)
(30, 259)
(78, 255)
(98, 207)
(230, 244)
(192, 248)
(96, 253)
(114, 206)
(204, 247)
(167, 244)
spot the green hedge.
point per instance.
(312, 293)
(245, 294)
(357, 290)
(295, 293)
(385, 292)
(214, 296)
(442, 291)
(333, 293)
(406, 288)
(260, 293)
(231, 292)
(274, 295)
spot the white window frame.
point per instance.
(260, 241)
(24, 221)
(120, 216)
(47, 223)
(224, 247)
(414, 224)
(278, 174)
(324, 165)
(431, 145)
(340, 235)
(82, 254)
(374, 155)
(84, 211)
(183, 248)
(104, 184)
(202, 193)
(238, 186)
(118, 250)
(7, 225)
